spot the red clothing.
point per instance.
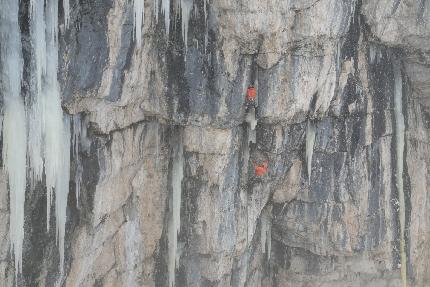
(261, 169)
(251, 94)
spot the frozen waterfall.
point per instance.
(400, 149)
(175, 209)
(14, 123)
(44, 138)
(36, 105)
(138, 20)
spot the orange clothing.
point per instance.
(261, 169)
(251, 94)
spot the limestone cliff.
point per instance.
(162, 186)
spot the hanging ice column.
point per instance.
(56, 132)
(165, 9)
(310, 142)
(139, 15)
(186, 8)
(266, 233)
(66, 7)
(175, 209)
(14, 123)
(49, 131)
(38, 69)
(400, 148)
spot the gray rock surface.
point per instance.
(328, 61)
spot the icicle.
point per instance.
(156, 9)
(37, 36)
(62, 190)
(165, 9)
(14, 155)
(76, 138)
(310, 142)
(263, 234)
(372, 53)
(266, 233)
(206, 23)
(56, 132)
(53, 124)
(138, 20)
(251, 118)
(186, 8)
(14, 125)
(252, 124)
(66, 8)
(400, 148)
(375, 54)
(175, 210)
(269, 240)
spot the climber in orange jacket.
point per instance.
(251, 94)
(261, 169)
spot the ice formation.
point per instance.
(45, 140)
(186, 8)
(62, 189)
(76, 137)
(175, 210)
(14, 123)
(375, 54)
(56, 132)
(138, 20)
(252, 124)
(266, 233)
(36, 105)
(310, 142)
(66, 8)
(205, 8)
(53, 114)
(400, 148)
(165, 9)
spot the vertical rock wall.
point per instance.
(330, 213)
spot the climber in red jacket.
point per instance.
(261, 169)
(251, 97)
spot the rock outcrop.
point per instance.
(345, 206)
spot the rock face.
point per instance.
(357, 214)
